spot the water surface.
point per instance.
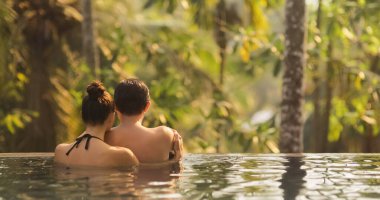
(200, 176)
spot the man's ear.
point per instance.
(147, 107)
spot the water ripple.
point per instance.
(230, 176)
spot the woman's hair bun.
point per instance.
(95, 90)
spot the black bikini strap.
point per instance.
(79, 140)
(87, 143)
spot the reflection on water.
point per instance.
(292, 180)
(230, 176)
(147, 182)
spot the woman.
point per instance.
(98, 113)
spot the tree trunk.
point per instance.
(220, 36)
(39, 135)
(317, 93)
(323, 143)
(89, 45)
(43, 54)
(369, 141)
(368, 138)
(291, 140)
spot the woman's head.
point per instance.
(97, 106)
(132, 97)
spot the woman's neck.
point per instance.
(97, 131)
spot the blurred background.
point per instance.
(213, 67)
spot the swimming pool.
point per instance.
(201, 176)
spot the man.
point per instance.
(150, 145)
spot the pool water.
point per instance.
(199, 176)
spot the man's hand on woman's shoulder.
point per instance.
(177, 146)
(173, 141)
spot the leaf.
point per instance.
(335, 129)
(149, 4)
(362, 3)
(247, 145)
(72, 12)
(67, 1)
(162, 119)
(340, 107)
(172, 6)
(8, 123)
(272, 146)
(369, 120)
(244, 52)
(359, 105)
(277, 67)
(358, 83)
(17, 121)
(360, 128)
(258, 18)
(376, 130)
(22, 78)
(202, 143)
(241, 139)
(348, 34)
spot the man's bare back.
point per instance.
(150, 145)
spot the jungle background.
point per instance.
(213, 67)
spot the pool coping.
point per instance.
(51, 154)
(23, 154)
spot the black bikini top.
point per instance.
(79, 140)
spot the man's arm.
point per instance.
(178, 146)
(172, 142)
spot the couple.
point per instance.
(128, 144)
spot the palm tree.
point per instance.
(42, 25)
(292, 93)
(89, 46)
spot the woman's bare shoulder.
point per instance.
(60, 152)
(122, 156)
(61, 147)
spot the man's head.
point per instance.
(131, 97)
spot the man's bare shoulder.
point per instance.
(164, 132)
(164, 137)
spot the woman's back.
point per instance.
(98, 154)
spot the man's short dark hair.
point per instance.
(131, 97)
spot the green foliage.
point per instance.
(173, 46)
(351, 30)
(12, 77)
